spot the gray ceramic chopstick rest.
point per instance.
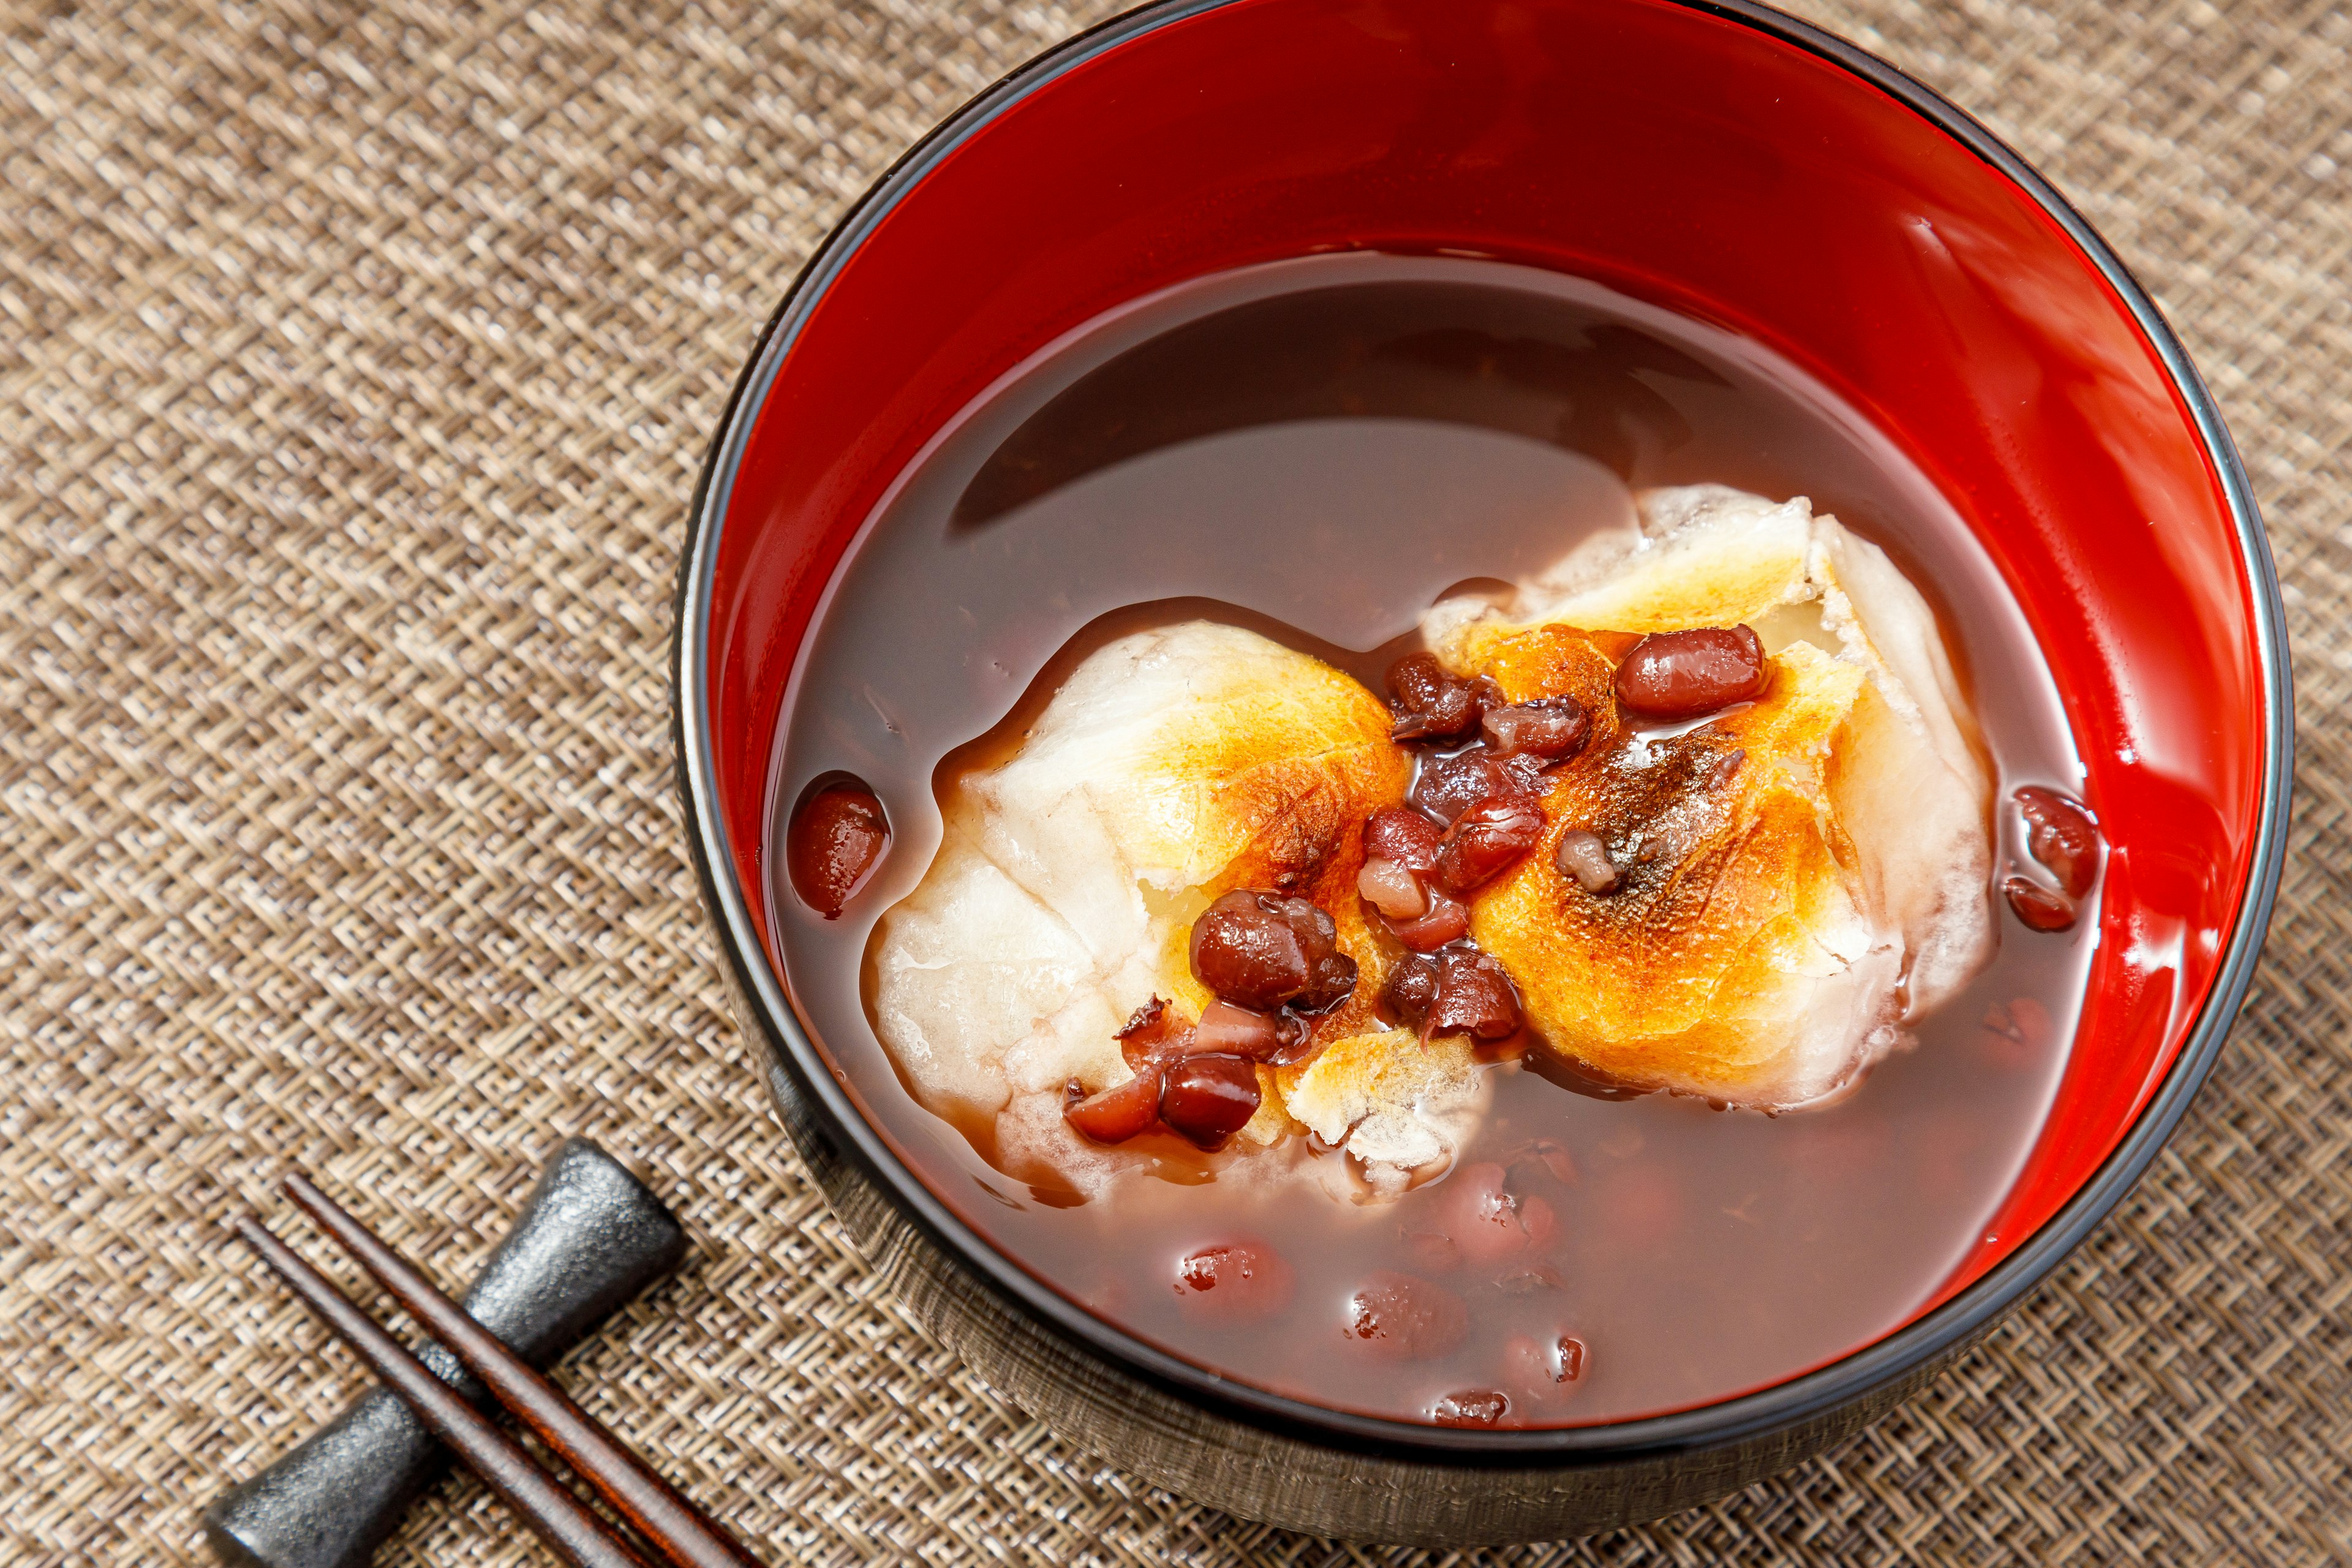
(589, 1237)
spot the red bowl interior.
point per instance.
(1683, 158)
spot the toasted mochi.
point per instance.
(1796, 907)
(1172, 766)
(1402, 1108)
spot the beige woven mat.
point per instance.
(355, 362)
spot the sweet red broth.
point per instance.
(1319, 449)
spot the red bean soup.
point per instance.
(1317, 451)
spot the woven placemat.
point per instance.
(355, 363)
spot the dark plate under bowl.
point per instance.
(1721, 160)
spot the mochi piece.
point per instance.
(1172, 766)
(1829, 886)
(983, 991)
(1700, 555)
(1402, 1108)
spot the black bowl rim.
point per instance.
(1782, 1405)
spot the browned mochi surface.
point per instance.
(1732, 890)
(1797, 875)
(1171, 767)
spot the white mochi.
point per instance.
(1906, 784)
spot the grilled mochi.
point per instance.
(1172, 766)
(1798, 876)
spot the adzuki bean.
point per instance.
(2061, 835)
(1412, 988)
(836, 838)
(1389, 887)
(1550, 729)
(1397, 1317)
(1448, 920)
(1583, 858)
(1681, 675)
(1471, 1407)
(1153, 1033)
(1259, 950)
(2041, 909)
(1486, 840)
(1432, 704)
(1208, 1098)
(1117, 1113)
(1407, 837)
(1474, 997)
(1230, 1031)
(1448, 786)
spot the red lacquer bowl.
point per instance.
(1722, 160)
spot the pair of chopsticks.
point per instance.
(680, 1534)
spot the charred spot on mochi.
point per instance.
(837, 835)
(1657, 797)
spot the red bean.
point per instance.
(1407, 837)
(837, 837)
(1230, 1031)
(1549, 729)
(1431, 704)
(1233, 1283)
(1481, 1215)
(1486, 840)
(1474, 997)
(1117, 1113)
(1448, 786)
(1412, 988)
(1681, 675)
(1399, 1318)
(1236, 1030)
(1155, 1032)
(1390, 887)
(1208, 1098)
(1448, 920)
(1568, 1359)
(1260, 950)
(2041, 908)
(2062, 836)
(1584, 858)
(1471, 1407)
(1294, 1041)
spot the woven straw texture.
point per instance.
(355, 363)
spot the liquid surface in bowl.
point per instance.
(1319, 451)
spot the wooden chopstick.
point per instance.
(682, 1533)
(557, 1517)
